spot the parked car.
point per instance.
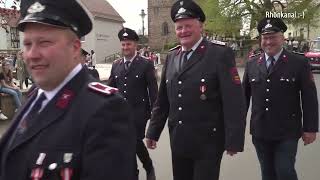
(314, 54)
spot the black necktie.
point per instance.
(185, 57)
(127, 65)
(271, 60)
(29, 119)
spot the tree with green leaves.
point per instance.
(228, 14)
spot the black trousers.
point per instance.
(277, 158)
(205, 168)
(144, 156)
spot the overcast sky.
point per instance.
(129, 10)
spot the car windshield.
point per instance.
(315, 46)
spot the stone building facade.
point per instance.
(160, 26)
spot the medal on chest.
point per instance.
(203, 89)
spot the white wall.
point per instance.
(106, 38)
(3, 39)
(103, 39)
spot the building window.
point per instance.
(14, 37)
(165, 29)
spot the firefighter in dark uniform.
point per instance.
(71, 127)
(92, 71)
(201, 96)
(283, 93)
(135, 78)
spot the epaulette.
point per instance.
(218, 42)
(174, 48)
(117, 60)
(102, 88)
(251, 57)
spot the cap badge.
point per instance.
(36, 7)
(181, 3)
(268, 25)
(181, 10)
(125, 34)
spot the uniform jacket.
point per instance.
(138, 85)
(281, 98)
(93, 127)
(199, 126)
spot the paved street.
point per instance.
(243, 166)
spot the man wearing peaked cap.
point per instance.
(186, 9)
(135, 78)
(71, 127)
(128, 34)
(60, 13)
(201, 96)
(281, 88)
(271, 25)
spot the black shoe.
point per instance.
(151, 175)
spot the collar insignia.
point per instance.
(36, 7)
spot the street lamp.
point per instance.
(143, 15)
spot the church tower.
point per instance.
(160, 26)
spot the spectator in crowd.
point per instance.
(93, 59)
(22, 72)
(7, 86)
(2, 116)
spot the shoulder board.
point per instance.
(102, 88)
(117, 60)
(174, 48)
(251, 57)
(218, 42)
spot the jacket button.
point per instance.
(267, 100)
(125, 78)
(203, 80)
(180, 82)
(180, 108)
(267, 109)
(214, 129)
(124, 91)
(125, 99)
(137, 76)
(116, 77)
(268, 90)
(180, 122)
(143, 100)
(268, 80)
(125, 84)
(179, 95)
(52, 166)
